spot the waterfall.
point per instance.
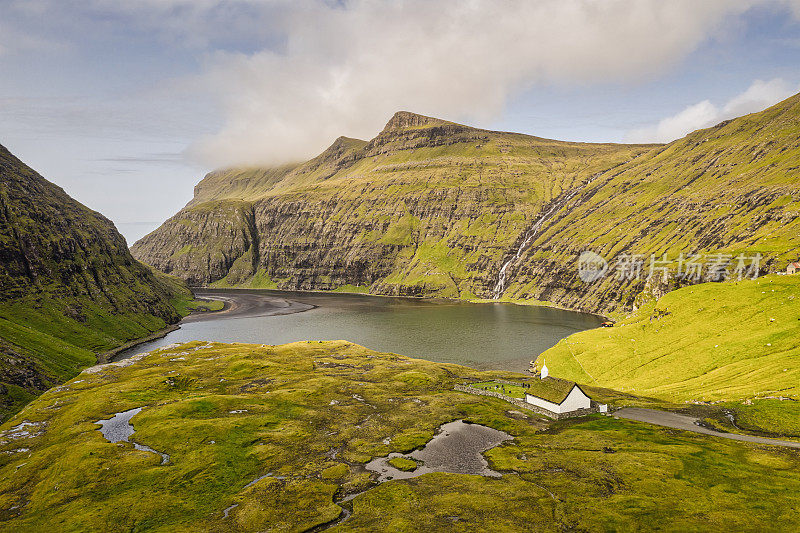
(557, 204)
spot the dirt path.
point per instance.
(688, 423)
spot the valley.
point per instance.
(70, 292)
(339, 306)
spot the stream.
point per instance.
(500, 287)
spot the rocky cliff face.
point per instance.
(723, 192)
(430, 207)
(69, 287)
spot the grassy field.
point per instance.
(308, 415)
(715, 341)
(734, 344)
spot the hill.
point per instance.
(732, 189)
(427, 207)
(707, 342)
(430, 207)
(277, 437)
(69, 288)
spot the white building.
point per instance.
(557, 395)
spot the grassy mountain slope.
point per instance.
(429, 207)
(426, 207)
(708, 342)
(269, 438)
(733, 188)
(69, 288)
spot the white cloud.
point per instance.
(759, 96)
(344, 71)
(14, 41)
(295, 74)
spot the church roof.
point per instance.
(552, 389)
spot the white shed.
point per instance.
(557, 396)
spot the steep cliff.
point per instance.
(427, 207)
(733, 190)
(430, 207)
(69, 288)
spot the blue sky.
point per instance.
(127, 104)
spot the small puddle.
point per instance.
(118, 428)
(457, 448)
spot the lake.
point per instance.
(484, 336)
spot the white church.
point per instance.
(557, 395)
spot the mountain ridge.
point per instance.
(69, 287)
(431, 207)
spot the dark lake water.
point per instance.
(482, 336)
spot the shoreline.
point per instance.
(244, 306)
(449, 299)
(108, 356)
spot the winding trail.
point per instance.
(689, 423)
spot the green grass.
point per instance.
(769, 417)
(514, 391)
(715, 341)
(404, 464)
(186, 305)
(55, 346)
(229, 414)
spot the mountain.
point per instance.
(69, 287)
(433, 208)
(731, 189)
(427, 207)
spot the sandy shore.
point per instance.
(244, 304)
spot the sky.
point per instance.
(126, 105)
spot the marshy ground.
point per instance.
(272, 437)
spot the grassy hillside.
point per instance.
(708, 342)
(69, 288)
(426, 207)
(429, 207)
(732, 189)
(269, 438)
